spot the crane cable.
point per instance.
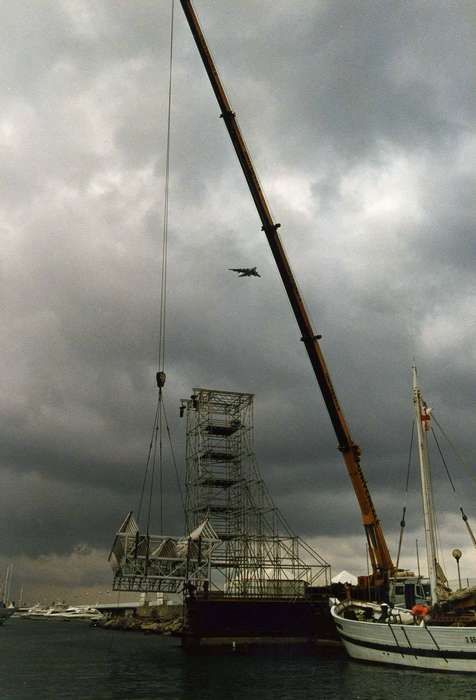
(163, 297)
(163, 286)
(155, 453)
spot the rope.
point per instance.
(161, 463)
(146, 472)
(154, 462)
(468, 526)
(458, 456)
(463, 514)
(402, 522)
(444, 461)
(436, 526)
(156, 453)
(410, 457)
(174, 461)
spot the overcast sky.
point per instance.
(360, 117)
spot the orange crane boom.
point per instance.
(381, 561)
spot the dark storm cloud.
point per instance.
(360, 117)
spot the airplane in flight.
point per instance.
(245, 271)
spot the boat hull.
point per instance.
(411, 646)
(5, 613)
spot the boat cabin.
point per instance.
(405, 592)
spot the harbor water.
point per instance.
(54, 660)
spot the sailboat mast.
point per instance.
(423, 425)
(7, 584)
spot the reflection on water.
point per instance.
(56, 660)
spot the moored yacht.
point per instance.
(61, 611)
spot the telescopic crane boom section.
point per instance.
(381, 561)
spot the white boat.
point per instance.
(82, 612)
(62, 612)
(34, 612)
(38, 612)
(403, 639)
(5, 612)
(438, 637)
(7, 608)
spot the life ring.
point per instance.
(420, 610)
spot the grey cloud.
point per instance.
(362, 134)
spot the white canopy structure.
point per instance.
(345, 577)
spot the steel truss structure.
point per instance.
(156, 563)
(258, 555)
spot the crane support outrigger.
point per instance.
(382, 565)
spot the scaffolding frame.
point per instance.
(156, 563)
(258, 554)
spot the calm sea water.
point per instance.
(54, 660)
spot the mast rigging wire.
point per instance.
(440, 557)
(402, 522)
(458, 456)
(463, 514)
(444, 461)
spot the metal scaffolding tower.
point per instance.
(258, 554)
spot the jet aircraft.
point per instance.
(245, 271)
